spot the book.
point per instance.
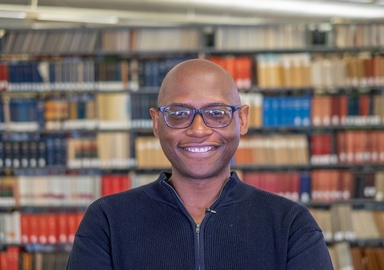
(149, 154)
(114, 183)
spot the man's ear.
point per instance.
(243, 115)
(155, 121)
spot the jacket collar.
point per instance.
(234, 190)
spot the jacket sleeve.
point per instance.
(91, 248)
(307, 249)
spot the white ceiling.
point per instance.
(53, 13)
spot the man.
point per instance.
(200, 216)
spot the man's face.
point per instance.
(200, 152)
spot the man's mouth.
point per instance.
(199, 149)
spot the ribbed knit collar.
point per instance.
(234, 190)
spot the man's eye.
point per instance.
(181, 113)
(216, 113)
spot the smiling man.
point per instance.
(199, 216)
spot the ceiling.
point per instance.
(110, 13)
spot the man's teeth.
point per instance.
(199, 149)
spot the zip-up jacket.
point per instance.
(246, 228)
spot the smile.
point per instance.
(199, 149)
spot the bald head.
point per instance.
(192, 74)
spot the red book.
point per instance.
(343, 108)
(373, 146)
(42, 231)
(349, 146)
(25, 228)
(250, 178)
(62, 227)
(52, 229)
(346, 185)
(315, 185)
(294, 186)
(125, 182)
(3, 76)
(72, 227)
(380, 139)
(74, 220)
(3, 260)
(230, 66)
(316, 110)
(368, 70)
(270, 182)
(364, 105)
(12, 257)
(34, 228)
(243, 69)
(243, 153)
(335, 110)
(106, 186)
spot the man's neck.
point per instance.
(197, 195)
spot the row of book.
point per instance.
(117, 149)
(191, 38)
(296, 36)
(16, 258)
(266, 71)
(81, 187)
(347, 109)
(344, 109)
(322, 185)
(104, 111)
(71, 189)
(85, 74)
(277, 150)
(359, 35)
(341, 147)
(50, 41)
(328, 71)
(74, 150)
(343, 255)
(346, 256)
(342, 222)
(85, 41)
(38, 228)
(66, 190)
(121, 110)
(347, 147)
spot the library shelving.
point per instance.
(75, 126)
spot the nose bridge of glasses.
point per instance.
(199, 112)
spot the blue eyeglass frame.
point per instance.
(199, 111)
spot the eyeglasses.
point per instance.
(214, 116)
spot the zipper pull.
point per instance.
(210, 210)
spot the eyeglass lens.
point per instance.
(213, 116)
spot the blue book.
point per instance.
(36, 76)
(156, 74)
(2, 151)
(40, 113)
(267, 111)
(32, 110)
(305, 187)
(2, 120)
(275, 111)
(81, 108)
(52, 74)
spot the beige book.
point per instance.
(344, 257)
(379, 184)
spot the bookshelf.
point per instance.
(74, 121)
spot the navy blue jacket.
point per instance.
(149, 228)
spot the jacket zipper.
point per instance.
(198, 245)
(197, 226)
